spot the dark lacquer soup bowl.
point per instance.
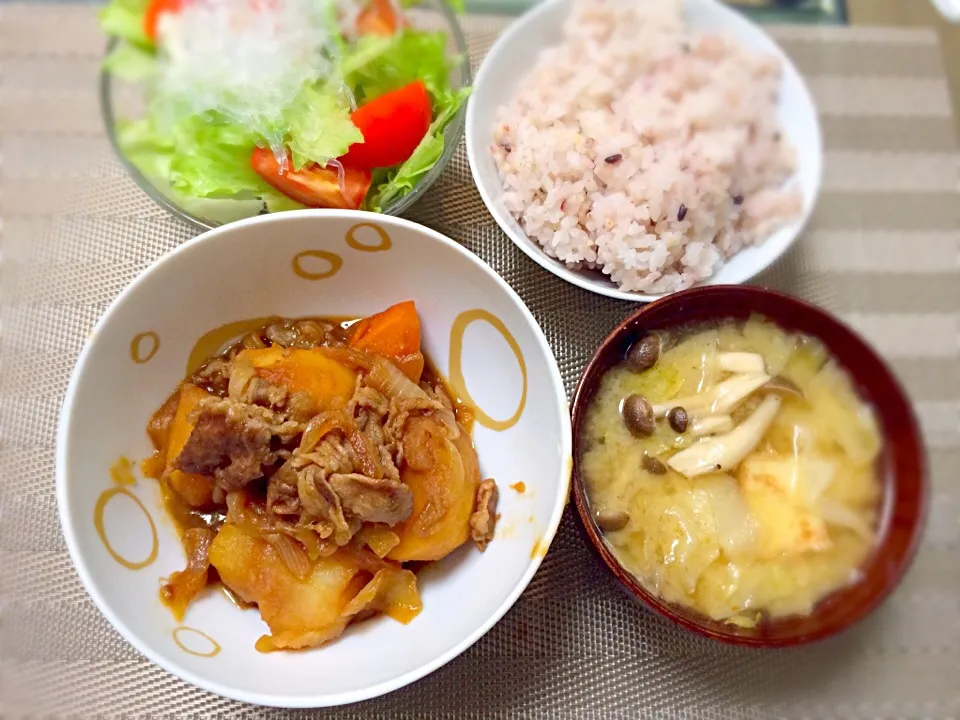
(900, 463)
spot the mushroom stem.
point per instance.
(712, 425)
(784, 387)
(741, 362)
(718, 400)
(724, 452)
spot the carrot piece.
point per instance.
(395, 334)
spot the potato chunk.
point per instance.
(328, 383)
(300, 613)
(443, 476)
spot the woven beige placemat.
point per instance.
(883, 252)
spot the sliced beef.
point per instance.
(266, 394)
(297, 406)
(322, 506)
(214, 376)
(377, 439)
(438, 392)
(333, 455)
(400, 411)
(232, 442)
(300, 406)
(283, 497)
(370, 500)
(484, 519)
(331, 484)
(367, 404)
(368, 408)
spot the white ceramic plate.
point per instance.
(350, 264)
(518, 49)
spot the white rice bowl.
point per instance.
(643, 151)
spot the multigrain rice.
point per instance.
(645, 152)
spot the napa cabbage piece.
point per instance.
(843, 416)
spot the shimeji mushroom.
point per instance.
(712, 425)
(724, 452)
(718, 400)
(745, 363)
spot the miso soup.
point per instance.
(732, 469)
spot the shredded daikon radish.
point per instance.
(246, 60)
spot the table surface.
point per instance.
(881, 252)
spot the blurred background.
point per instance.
(799, 10)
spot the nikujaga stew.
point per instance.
(312, 467)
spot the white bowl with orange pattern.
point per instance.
(299, 264)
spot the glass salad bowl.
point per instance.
(123, 100)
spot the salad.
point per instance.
(267, 105)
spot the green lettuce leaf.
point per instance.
(131, 62)
(212, 158)
(378, 65)
(150, 151)
(392, 184)
(199, 156)
(124, 19)
(276, 201)
(154, 154)
(319, 126)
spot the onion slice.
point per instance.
(292, 553)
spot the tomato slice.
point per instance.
(154, 10)
(316, 186)
(392, 126)
(379, 17)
